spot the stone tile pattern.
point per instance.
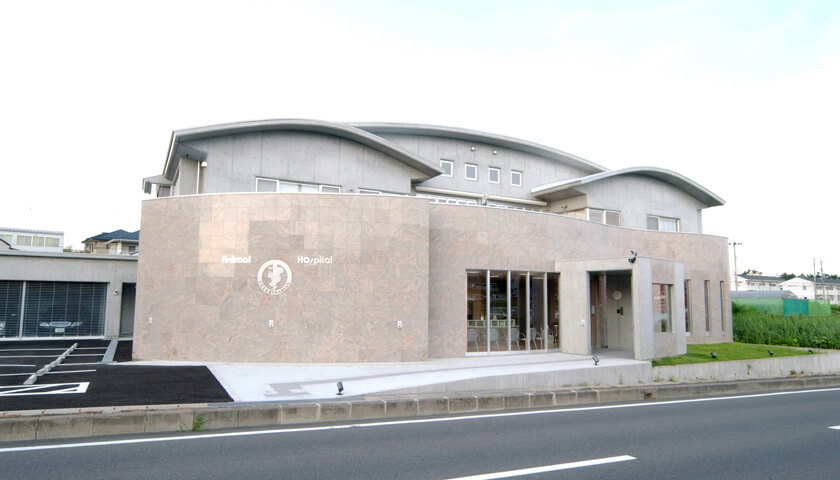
(345, 311)
(462, 238)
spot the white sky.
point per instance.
(742, 97)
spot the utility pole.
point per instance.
(815, 278)
(735, 257)
(822, 277)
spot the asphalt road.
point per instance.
(770, 436)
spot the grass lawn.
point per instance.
(727, 351)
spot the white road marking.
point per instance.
(45, 389)
(15, 365)
(547, 468)
(279, 431)
(835, 428)
(70, 371)
(15, 374)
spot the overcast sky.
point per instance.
(740, 96)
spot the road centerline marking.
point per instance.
(547, 468)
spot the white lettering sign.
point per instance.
(319, 260)
(233, 259)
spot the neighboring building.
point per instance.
(804, 287)
(66, 295)
(32, 240)
(758, 282)
(310, 241)
(118, 242)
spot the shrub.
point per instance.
(796, 331)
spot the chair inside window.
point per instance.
(472, 337)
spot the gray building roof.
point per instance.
(761, 294)
(694, 189)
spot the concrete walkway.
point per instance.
(259, 382)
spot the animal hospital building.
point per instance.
(311, 241)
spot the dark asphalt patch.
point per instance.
(116, 385)
(124, 349)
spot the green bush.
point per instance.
(795, 331)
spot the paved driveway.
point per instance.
(88, 377)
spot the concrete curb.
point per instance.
(69, 423)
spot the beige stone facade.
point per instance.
(362, 295)
(384, 278)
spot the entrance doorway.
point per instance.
(611, 311)
(127, 309)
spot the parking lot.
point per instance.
(88, 373)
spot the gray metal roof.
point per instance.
(684, 183)
(177, 149)
(761, 294)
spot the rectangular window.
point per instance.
(607, 217)
(611, 217)
(515, 178)
(446, 166)
(364, 191)
(493, 175)
(51, 242)
(24, 240)
(663, 224)
(722, 311)
(330, 189)
(266, 185)
(7, 238)
(661, 308)
(707, 287)
(37, 241)
(687, 287)
(471, 171)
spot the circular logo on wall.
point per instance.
(274, 277)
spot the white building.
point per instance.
(33, 240)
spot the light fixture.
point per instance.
(340, 387)
(116, 292)
(632, 259)
(810, 350)
(770, 352)
(472, 148)
(714, 355)
(495, 152)
(596, 359)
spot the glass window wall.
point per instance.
(661, 308)
(512, 311)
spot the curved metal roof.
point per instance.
(673, 178)
(328, 128)
(483, 137)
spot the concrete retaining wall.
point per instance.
(36, 425)
(817, 364)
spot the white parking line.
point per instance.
(835, 427)
(16, 365)
(71, 371)
(548, 468)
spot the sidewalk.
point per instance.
(299, 382)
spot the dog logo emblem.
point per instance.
(274, 277)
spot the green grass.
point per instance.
(727, 351)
